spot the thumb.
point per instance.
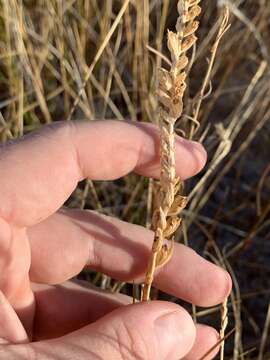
(156, 330)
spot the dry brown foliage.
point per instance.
(171, 88)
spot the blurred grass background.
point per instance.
(46, 50)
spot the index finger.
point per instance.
(41, 170)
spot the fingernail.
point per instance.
(175, 334)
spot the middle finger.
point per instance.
(68, 241)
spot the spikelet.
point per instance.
(171, 88)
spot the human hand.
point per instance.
(41, 244)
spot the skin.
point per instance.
(43, 315)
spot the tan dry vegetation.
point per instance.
(170, 92)
(109, 52)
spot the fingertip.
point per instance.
(222, 283)
(191, 157)
(227, 283)
(206, 339)
(219, 288)
(200, 153)
(210, 288)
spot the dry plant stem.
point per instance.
(171, 89)
(265, 334)
(98, 55)
(223, 28)
(224, 324)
